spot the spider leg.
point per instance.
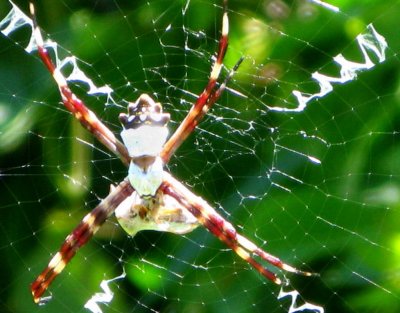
(75, 105)
(79, 237)
(206, 99)
(224, 230)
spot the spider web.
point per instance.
(300, 154)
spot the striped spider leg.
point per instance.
(78, 237)
(149, 198)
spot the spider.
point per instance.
(149, 198)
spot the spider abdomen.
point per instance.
(161, 213)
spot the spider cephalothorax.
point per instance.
(150, 197)
(144, 135)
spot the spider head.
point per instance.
(145, 111)
(145, 127)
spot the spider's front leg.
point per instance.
(207, 98)
(75, 105)
(224, 230)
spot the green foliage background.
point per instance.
(356, 188)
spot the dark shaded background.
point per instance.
(339, 219)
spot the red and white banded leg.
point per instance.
(75, 105)
(80, 236)
(224, 230)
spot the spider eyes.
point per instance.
(144, 111)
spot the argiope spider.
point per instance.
(149, 198)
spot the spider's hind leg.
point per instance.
(79, 237)
(225, 231)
